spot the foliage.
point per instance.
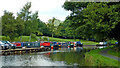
(87, 20)
(93, 20)
(116, 48)
(42, 27)
(45, 38)
(5, 38)
(9, 26)
(25, 23)
(51, 25)
(101, 19)
(33, 36)
(30, 20)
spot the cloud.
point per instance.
(46, 8)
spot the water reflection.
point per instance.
(60, 57)
(71, 56)
(29, 60)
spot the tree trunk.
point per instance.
(20, 38)
(30, 38)
(74, 38)
(52, 35)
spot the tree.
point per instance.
(25, 12)
(42, 27)
(51, 25)
(20, 27)
(9, 25)
(25, 15)
(29, 20)
(102, 18)
(60, 30)
(76, 18)
(34, 22)
(0, 27)
(59, 27)
(93, 20)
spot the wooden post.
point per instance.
(20, 52)
(30, 50)
(15, 52)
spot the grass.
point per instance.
(26, 38)
(93, 58)
(114, 53)
(4, 38)
(85, 42)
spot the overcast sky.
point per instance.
(46, 8)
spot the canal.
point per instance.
(58, 57)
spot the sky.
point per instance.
(47, 9)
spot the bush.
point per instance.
(45, 38)
(6, 38)
(116, 48)
(33, 36)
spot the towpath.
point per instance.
(105, 53)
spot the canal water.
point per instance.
(61, 57)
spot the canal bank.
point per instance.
(98, 58)
(105, 53)
(22, 51)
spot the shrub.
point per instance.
(45, 38)
(6, 38)
(33, 36)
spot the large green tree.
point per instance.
(93, 20)
(31, 21)
(101, 18)
(25, 15)
(51, 26)
(42, 27)
(34, 23)
(9, 25)
(0, 27)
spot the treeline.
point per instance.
(88, 20)
(25, 24)
(92, 20)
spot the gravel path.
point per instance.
(104, 53)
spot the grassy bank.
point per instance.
(85, 42)
(27, 38)
(114, 53)
(93, 58)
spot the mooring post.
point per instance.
(9, 52)
(34, 50)
(15, 52)
(6, 53)
(20, 52)
(30, 50)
